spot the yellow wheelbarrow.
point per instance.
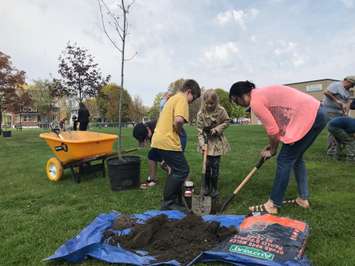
(76, 150)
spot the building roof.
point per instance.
(314, 80)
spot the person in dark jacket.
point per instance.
(75, 122)
(83, 117)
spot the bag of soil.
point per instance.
(264, 240)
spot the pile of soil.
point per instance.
(166, 239)
(123, 222)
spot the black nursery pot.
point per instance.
(124, 173)
(6, 134)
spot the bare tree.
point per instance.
(115, 26)
(138, 110)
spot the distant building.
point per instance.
(315, 88)
(29, 117)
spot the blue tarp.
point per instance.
(88, 244)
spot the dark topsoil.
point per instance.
(166, 239)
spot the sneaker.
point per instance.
(148, 184)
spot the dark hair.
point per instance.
(192, 85)
(140, 132)
(241, 87)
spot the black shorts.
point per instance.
(154, 155)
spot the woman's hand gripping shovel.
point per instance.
(245, 180)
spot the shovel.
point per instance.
(201, 204)
(245, 180)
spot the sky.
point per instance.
(215, 42)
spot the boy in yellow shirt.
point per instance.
(166, 142)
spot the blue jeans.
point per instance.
(183, 139)
(344, 122)
(291, 157)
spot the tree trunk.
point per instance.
(122, 83)
(0, 120)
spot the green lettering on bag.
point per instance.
(252, 252)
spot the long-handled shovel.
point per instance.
(201, 204)
(245, 180)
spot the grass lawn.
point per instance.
(37, 215)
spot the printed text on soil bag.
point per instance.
(256, 246)
(253, 252)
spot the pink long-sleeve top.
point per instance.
(284, 111)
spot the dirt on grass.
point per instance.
(166, 239)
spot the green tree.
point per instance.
(108, 100)
(233, 110)
(154, 111)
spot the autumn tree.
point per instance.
(137, 110)
(193, 107)
(80, 76)
(23, 102)
(92, 106)
(42, 93)
(107, 101)
(10, 79)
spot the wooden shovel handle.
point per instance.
(252, 172)
(205, 154)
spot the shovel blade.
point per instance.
(201, 205)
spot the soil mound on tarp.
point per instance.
(166, 239)
(123, 222)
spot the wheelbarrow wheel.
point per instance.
(54, 169)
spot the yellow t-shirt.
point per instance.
(165, 137)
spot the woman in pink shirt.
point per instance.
(291, 117)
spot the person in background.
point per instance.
(83, 117)
(143, 134)
(291, 117)
(166, 141)
(62, 124)
(337, 103)
(343, 129)
(75, 122)
(212, 120)
(164, 99)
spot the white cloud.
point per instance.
(285, 47)
(298, 60)
(221, 54)
(348, 3)
(208, 42)
(288, 53)
(240, 16)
